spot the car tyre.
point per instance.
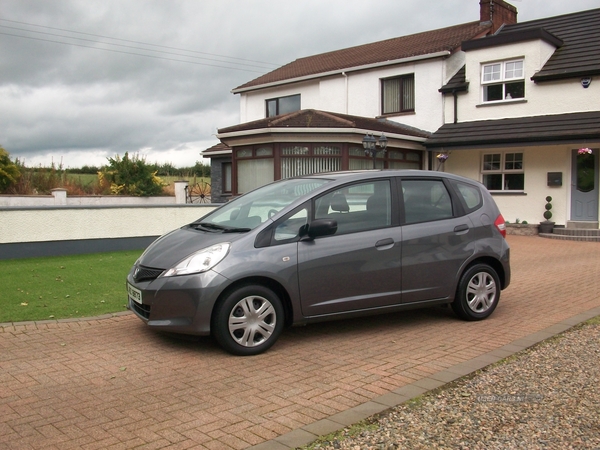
(478, 293)
(249, 320)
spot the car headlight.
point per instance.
(201, 261)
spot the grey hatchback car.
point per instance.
(323, 247)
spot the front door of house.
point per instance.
(584, 185)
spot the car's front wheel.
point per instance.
(249, 320)
(478, 293)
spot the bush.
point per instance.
(548, 207)
(87, 170)
(9, 172)
(130, 176)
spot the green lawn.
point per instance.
(64, 286)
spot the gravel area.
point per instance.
(546, 397)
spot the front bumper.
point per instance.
(181, 304)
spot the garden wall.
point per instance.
(59, 230)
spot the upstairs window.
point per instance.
(503, 172)
(283, 105)
(398, 94)
(503, 81)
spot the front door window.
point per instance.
(586, 170)
(584, 193)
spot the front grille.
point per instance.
(142, 273)
(142, 310)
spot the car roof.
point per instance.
(351, 175)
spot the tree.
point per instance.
(130, 176)
(9, 172)
(201, 170)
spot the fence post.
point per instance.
(180, 191)
(60, 196)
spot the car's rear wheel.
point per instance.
(249, 320)
(478, 293)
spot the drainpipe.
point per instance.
(346, 90)
(455, 95)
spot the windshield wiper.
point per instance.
(215, 227)
(208, 226)
(236, 230)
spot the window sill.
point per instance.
(504, 193)
(403, 113)
(501, 102)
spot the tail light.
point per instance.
(501, 225)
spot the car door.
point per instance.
(359, 267)
(436, 240)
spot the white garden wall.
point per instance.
(20, 225)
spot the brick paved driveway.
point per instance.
(112, 383)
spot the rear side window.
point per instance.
(471, 195)
(425, 201)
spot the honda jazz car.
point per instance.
(322, 247)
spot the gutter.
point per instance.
(343, 71)
(303, 130)
(218, 153)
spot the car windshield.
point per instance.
(256, 207)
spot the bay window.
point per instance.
(305, 159)
(254, 168)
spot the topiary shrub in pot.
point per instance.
(547, 225)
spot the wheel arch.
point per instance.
(276, 287)
(493, 263)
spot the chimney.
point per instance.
(497, 12)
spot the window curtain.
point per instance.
(293, 167)
(254, 173)
(408, 93)
(391, 95)
(399, 95)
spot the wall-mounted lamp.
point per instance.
(585, 82)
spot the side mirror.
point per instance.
(321, 227)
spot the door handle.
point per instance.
(384, 243)
(459, 228)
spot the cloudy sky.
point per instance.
(83, 80)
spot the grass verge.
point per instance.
(64, 287)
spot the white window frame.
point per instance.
(503, 170)
(502, 73)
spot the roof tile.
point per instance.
(311, 118)
(580, 53)
(443, 39)
(536, 129)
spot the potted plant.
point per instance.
(546, 226)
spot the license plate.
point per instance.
(134, 294)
